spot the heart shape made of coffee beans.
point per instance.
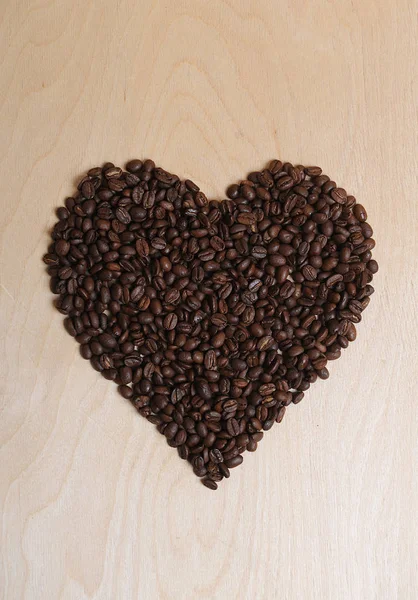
(211, 316)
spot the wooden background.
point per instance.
(94, 504)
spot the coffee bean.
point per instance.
(246, 218)
(309, 273)
(62, 247)
(211, 317)
(265, 343)
(133, 166)
(210, 360)
(232, 427)
(123, 216)
(87, 189)
(125, 374)
(183, 452)
(171, 430)
(65, 273)
(360, 213)
(170, 321)
(339, 195)
(233, 462)
(218, 340)
(107, 340)
(158, 243)
(85, 351)
(137, 293)
(210, 483)
(224, 470)
(267, 389)
(142, 247)
(203, 389)
(334, 279)
(126, 391)
(284, 183)
(216, 456)
(259, 252)
(217, 243)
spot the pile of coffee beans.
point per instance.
(211, 317)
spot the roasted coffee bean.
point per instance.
(265, 343)
(62, 247)
(133, 166)
(126, 391)
(170, 321)
(107, 340)
(142, 247)
(224, 470)
(232, 427)
(211, 317)
(339, 195)
(123, 215)
(210, 360)
(309, 272)
(203, 389)
(216, 456)
(210, 483)
(125, 374)
(360, 213)
(171, 430)
(87, 189)
(218, 340)
(233, 462)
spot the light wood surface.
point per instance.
(94, 504)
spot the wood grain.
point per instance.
(94, 504)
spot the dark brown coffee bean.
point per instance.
(259, 252)
(265, 343)
(284, 183)
(360, 213)
(85, 351)
(210, 483)
(142, 247)
(62, 247)
(280, 414)
(158, 243)
(170, 321)
(203, 389)
(233, 462)
(334, 279)
(183, 452)
(107, 340)
(65, 273)
(339, 195)
(123, 215)
(171, 430)
(217, 243)
(216, 456)
(313, 171)
(247, 219)
(210, 360)
(126, 391)
(232, 427)
(309, 273)
(87, 189)
(125, 374)
(133, 166)
(218, 340)
(267, 389)
(224, 470)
